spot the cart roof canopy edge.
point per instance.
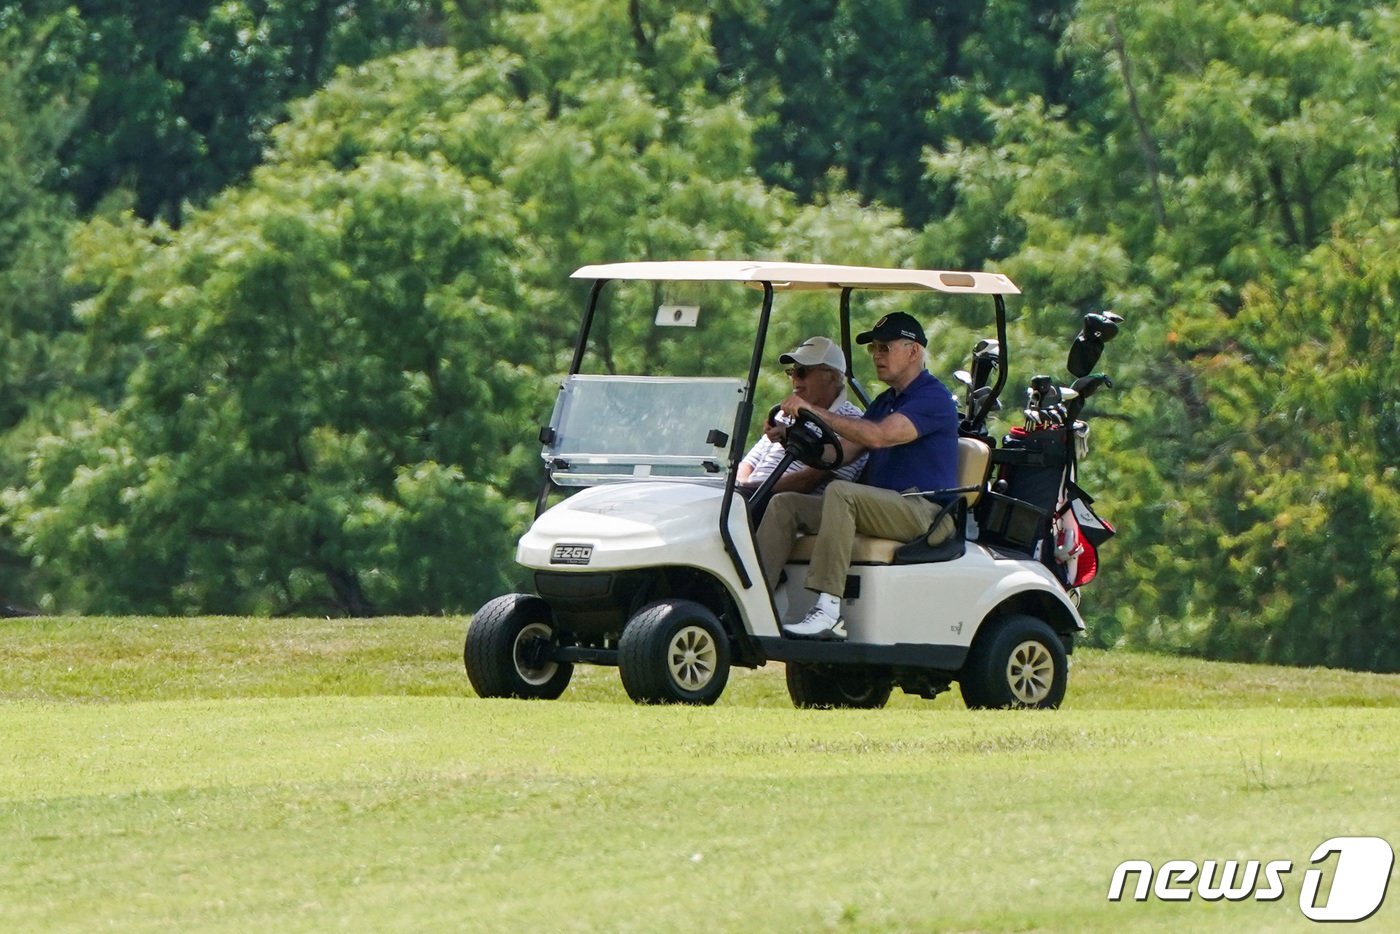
(804, 276)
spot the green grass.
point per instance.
(238, 774)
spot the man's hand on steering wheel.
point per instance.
(809, 437)
(773, 429)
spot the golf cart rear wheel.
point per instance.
(507, 650)
(817, 687)
(674, 652)
(1016, 661)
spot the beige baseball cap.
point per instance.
(816, 351)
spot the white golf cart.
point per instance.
(650, 563)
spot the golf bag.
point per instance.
(1078, 533)
(1035, 507)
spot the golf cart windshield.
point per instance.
(613, 428)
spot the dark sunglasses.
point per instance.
(800, 372)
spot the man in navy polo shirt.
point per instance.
(911, 432)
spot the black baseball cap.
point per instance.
(892, 327)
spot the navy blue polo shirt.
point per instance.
(930, 462)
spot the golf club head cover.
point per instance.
(1047, 394)
(986, 355)
(1083, 354)
(1101, 327)
(982, 371)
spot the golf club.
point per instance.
(986, 357)
(1084, 387)
(1098, 329)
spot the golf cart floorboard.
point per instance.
(903, 654)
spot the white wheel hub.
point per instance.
(1030, 672)
(691, 658)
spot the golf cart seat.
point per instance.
(974, 459)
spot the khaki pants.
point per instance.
(835, 517)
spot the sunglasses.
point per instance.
(800, 372)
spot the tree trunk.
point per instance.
(1149, 149)
(348, 595)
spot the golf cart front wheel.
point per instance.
(674, 652)
(817, 687)
(508, 647)
(1018, 662)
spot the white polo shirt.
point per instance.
(765, 455)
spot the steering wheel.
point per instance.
(808, 437)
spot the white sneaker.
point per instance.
(818, 625)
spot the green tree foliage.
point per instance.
(329, 377)
(35, 318)
(316, 390)
(181, 96)
(157, 104)
(1273, 206)
(1238, 167)
(1283, 531)
(292, 414)
(860, 89)
(33, 225)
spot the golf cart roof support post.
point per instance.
(846, 348)
(586, 325)
(574, 366)
(979, 418)
(742, 418)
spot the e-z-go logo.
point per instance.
(1359, 880)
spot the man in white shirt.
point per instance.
(817, 368)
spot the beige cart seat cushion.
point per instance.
(973, 459)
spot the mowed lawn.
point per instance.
(249, 774)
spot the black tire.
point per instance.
(674, 652)
(1016, 661)
(502, 649)
(817, 687)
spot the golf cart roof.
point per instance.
(793, 276)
